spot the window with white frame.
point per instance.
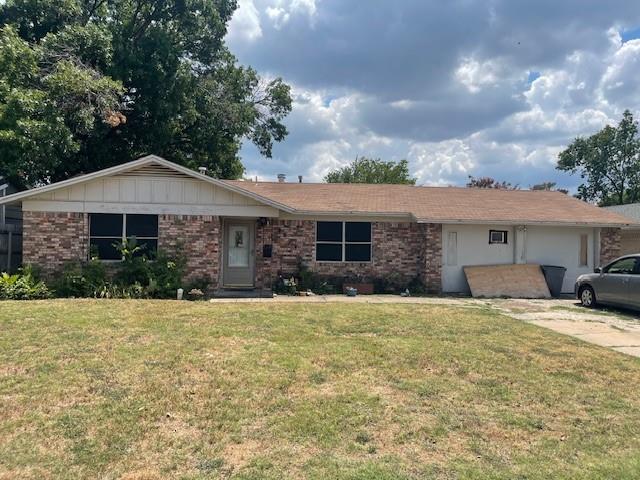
(584, 250)
(498, 236)
(107, 230)
(343, 241)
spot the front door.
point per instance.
(238, 251)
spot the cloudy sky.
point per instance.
(457, 87)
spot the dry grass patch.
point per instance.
(149, 390)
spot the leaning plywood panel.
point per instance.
(515, 281)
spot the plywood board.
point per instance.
(513, 281)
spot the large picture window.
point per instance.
(343, 241)
(108, 229)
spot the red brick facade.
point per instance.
(197, 238)
(50, 239)
(610, 244)
(400, 251)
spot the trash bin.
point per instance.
(554, 275)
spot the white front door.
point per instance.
(238, 251)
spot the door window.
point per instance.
(238, 246)
(625, 266)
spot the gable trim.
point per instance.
(125, 167)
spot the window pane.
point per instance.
(357, 232)
(142, 225)
(148, 247)
(329, 232)
(105, 249)
(357, 252)
(584, 250)
(452, 248)
(106, 225)
(625, 265)
(329, 252)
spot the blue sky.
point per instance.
(458, 88)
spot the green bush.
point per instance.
(137, 276)
(22, 286)
(81, 280)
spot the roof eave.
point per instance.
(526, 222)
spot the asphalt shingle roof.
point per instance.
(435, 204)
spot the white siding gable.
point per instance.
(150, 189)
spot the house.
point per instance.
(241, 234)
(629, 236)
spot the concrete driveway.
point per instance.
(614, 329)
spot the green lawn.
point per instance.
(151, 389)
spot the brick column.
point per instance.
(432, 257)
(197, 238)
(610, 244)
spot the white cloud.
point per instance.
(620, 80)
(475, 75)
(245, 25)
(443, 86)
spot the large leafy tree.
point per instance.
(608, 162)
(87, 84)
(370, 170)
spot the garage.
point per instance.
(467, 245)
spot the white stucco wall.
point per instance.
(561, 246)
(535, 244)
(473, 248)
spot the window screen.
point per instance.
(106, 230)
(145, 229)
(343, 241)
(329, 232)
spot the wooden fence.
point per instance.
(10, 248)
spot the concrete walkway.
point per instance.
(613, 329)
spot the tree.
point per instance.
(609, 163)
(548, 186)
(369, 170)
(88, 84)
(488, 182)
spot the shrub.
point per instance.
(22, 286)
(81, 280)
(137, 276)
(416, 287)
(164, 276)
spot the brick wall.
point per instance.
(197, 237)
(402, 251)
(610, 244)
(431, 272)
(51, 239)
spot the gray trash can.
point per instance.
(554, 275)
